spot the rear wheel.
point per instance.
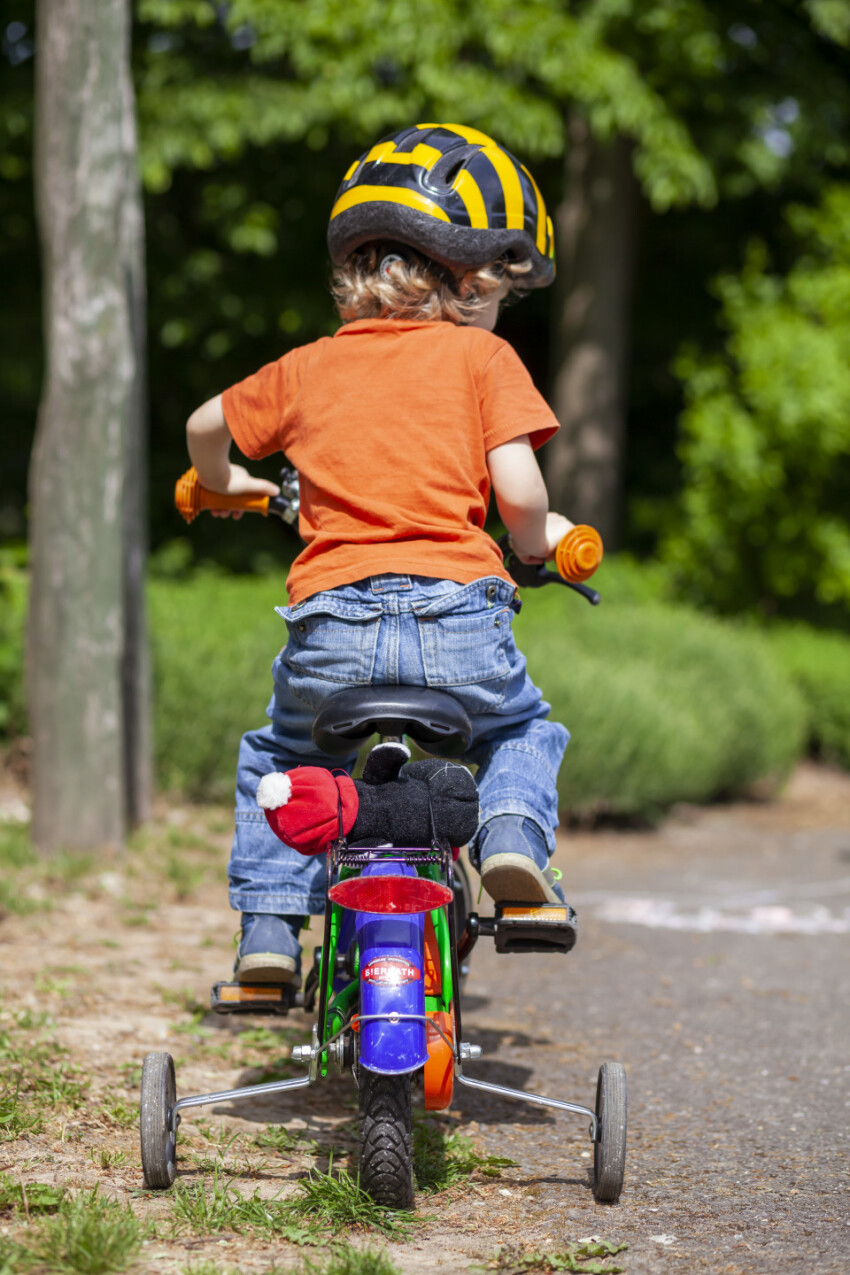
(386, 1143)
(609, 1160)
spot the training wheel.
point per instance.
(609, 1157)
(159, 1141)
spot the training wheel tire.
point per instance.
(159, 1141)
(386, 1139)
(609, 1156)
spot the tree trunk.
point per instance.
(595, 232)
(86, 652)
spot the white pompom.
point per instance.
(274, 790)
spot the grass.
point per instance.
(278, 1137)
(345, 1260)
(29, 883)
(86, 1235)
(349, 1261)
(35, 1075)
(108, 1159)
(323, 1206)
(442, 1157)
(223, 1208)
(335, 1202)
(589, 1256)
(180, 856)
(29, 1198)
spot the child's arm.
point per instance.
(208, 440)
(523, 501)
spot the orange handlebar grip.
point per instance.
(191, 498)
(579, 553)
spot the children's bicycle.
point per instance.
(386, 982)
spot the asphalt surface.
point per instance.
(713, 962)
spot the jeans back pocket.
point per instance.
(332, 640)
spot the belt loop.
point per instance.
(391, 583)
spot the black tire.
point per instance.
(386, 1142)
(159, 1143)
(609, 1157)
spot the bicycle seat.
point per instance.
(434, 720)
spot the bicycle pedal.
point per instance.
(254, 998)
(534, 927)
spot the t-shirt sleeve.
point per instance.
(510, 404)
(255, 408)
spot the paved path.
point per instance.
(713, 961)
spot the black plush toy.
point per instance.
(397, 801)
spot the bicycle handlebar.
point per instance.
(577, 556)
(191, 498)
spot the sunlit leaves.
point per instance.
(764, 518)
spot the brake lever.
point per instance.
(530, 576)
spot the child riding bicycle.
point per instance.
(399, 426)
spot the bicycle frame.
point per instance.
(402, 969)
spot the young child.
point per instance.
(399, 426)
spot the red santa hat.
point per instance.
(309, 806)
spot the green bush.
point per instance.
(214, 638)
(819, 663)
(12, 612)
(664, 705)
(764, 522)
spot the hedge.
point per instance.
(664, 705)
(819, 664)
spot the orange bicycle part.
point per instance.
(440, 1065)
(579, 553)
(191, 498)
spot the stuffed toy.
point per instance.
(397, 801)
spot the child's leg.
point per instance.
(517, 775)
(466, 647)
(271, 884)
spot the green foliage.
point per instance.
(34, 1076)
(336, 1203)
(29, 1197)
(13, 596)
(589, 1255)
(285, 71)
(347, 1260)
(443, 1157)
(764, 520)
(214, 639)
(87, 1235)
(819, 664)
(663, 704)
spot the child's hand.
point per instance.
(556, 528)
(241, 483)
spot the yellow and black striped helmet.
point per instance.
(452, 193)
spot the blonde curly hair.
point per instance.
(411, 286)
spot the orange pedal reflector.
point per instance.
(252, 998)
(548, 912)
(440, 1065)
(242, 993)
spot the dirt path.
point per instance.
(712, 961)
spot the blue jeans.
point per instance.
(396, 630)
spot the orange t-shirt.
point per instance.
(388, 423)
